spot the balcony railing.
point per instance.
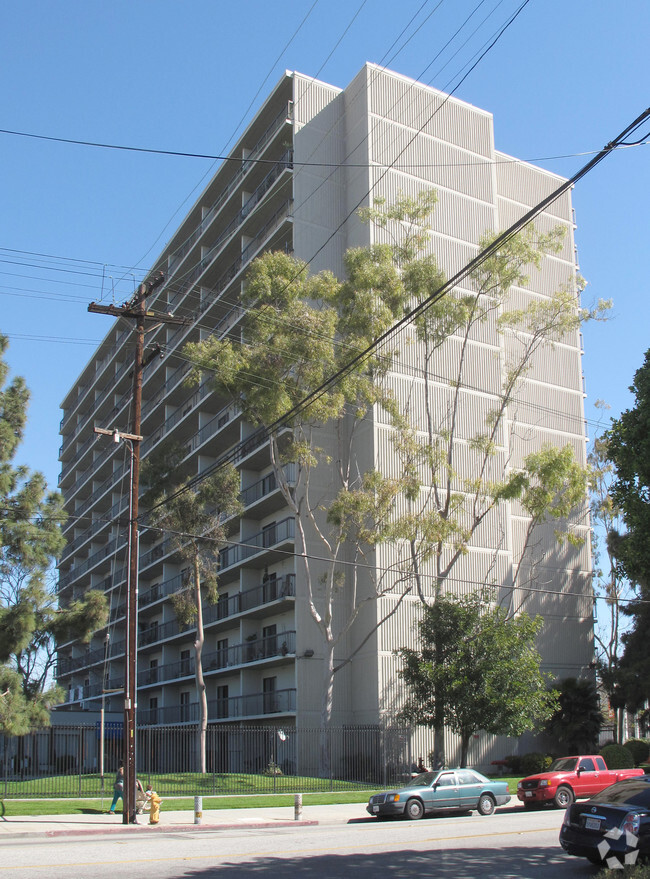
(91, 657)
(112, 547)
(283, 644)
(271, 589)
(234, 707)
(255, 543)
(100, 367)
(225, 194)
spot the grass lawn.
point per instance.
(95, 805)
(177, 784)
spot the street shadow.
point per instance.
(431, 816)
(486, 863)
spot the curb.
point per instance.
(148, 828)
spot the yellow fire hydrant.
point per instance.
(154, 803)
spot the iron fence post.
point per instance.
(80, 755)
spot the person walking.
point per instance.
(118, 788)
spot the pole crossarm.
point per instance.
(126, 311)
(119, 434)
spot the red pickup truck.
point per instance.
(569, 778)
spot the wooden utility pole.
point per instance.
(135, 308)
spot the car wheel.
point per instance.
(414, 809)
(486, 804)
(563, 797)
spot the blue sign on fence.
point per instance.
(113, 729)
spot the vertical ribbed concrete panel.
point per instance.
(325, 151)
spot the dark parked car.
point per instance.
(461, 790)
(612, 824)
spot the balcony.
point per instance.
(92, 561)
(90, 657)
(271, 647)
(99, 368)
(255, 544)
(229, 189)
(272, 589)
(233, 708)
(255, 650)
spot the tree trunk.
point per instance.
(464, 749)
(326, 710)
(200, 683)
(439, 717)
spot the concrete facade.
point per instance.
(313, 154)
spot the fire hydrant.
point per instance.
(154, 803)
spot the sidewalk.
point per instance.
(33, 826)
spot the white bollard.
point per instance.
(198, 809)
(297, 807)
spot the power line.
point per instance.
(284, 421)
(343, 563)
(228, 158)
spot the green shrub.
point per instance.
(617, 757)
(639, 749)
(533, 763)
(513, 762)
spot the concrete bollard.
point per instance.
(198, 809)
(297, 807)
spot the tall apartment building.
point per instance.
(310, 156)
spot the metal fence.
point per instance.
(65, 761)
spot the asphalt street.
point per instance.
(330, 841)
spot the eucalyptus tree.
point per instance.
(300, 330)
(193, 516)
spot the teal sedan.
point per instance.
(460, 790)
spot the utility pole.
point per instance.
(135, 308)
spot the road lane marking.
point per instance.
(284, 853)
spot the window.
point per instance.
(222, 653)
(153, 710)
(222, 700)
(268, 535)
(270, 698)
(152, 677)
(269, 587)
(446, 780)
(270, 640)
(222, 605)
(465, 776)
(587, 765)
(185, 667)
(185, 706)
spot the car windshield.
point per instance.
(423, 780)
(564, 764)
(635, 791)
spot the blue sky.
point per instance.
(564, 79)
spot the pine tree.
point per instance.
(31, 619)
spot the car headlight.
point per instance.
(544, 782)
(519, 785)
(392, 798)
